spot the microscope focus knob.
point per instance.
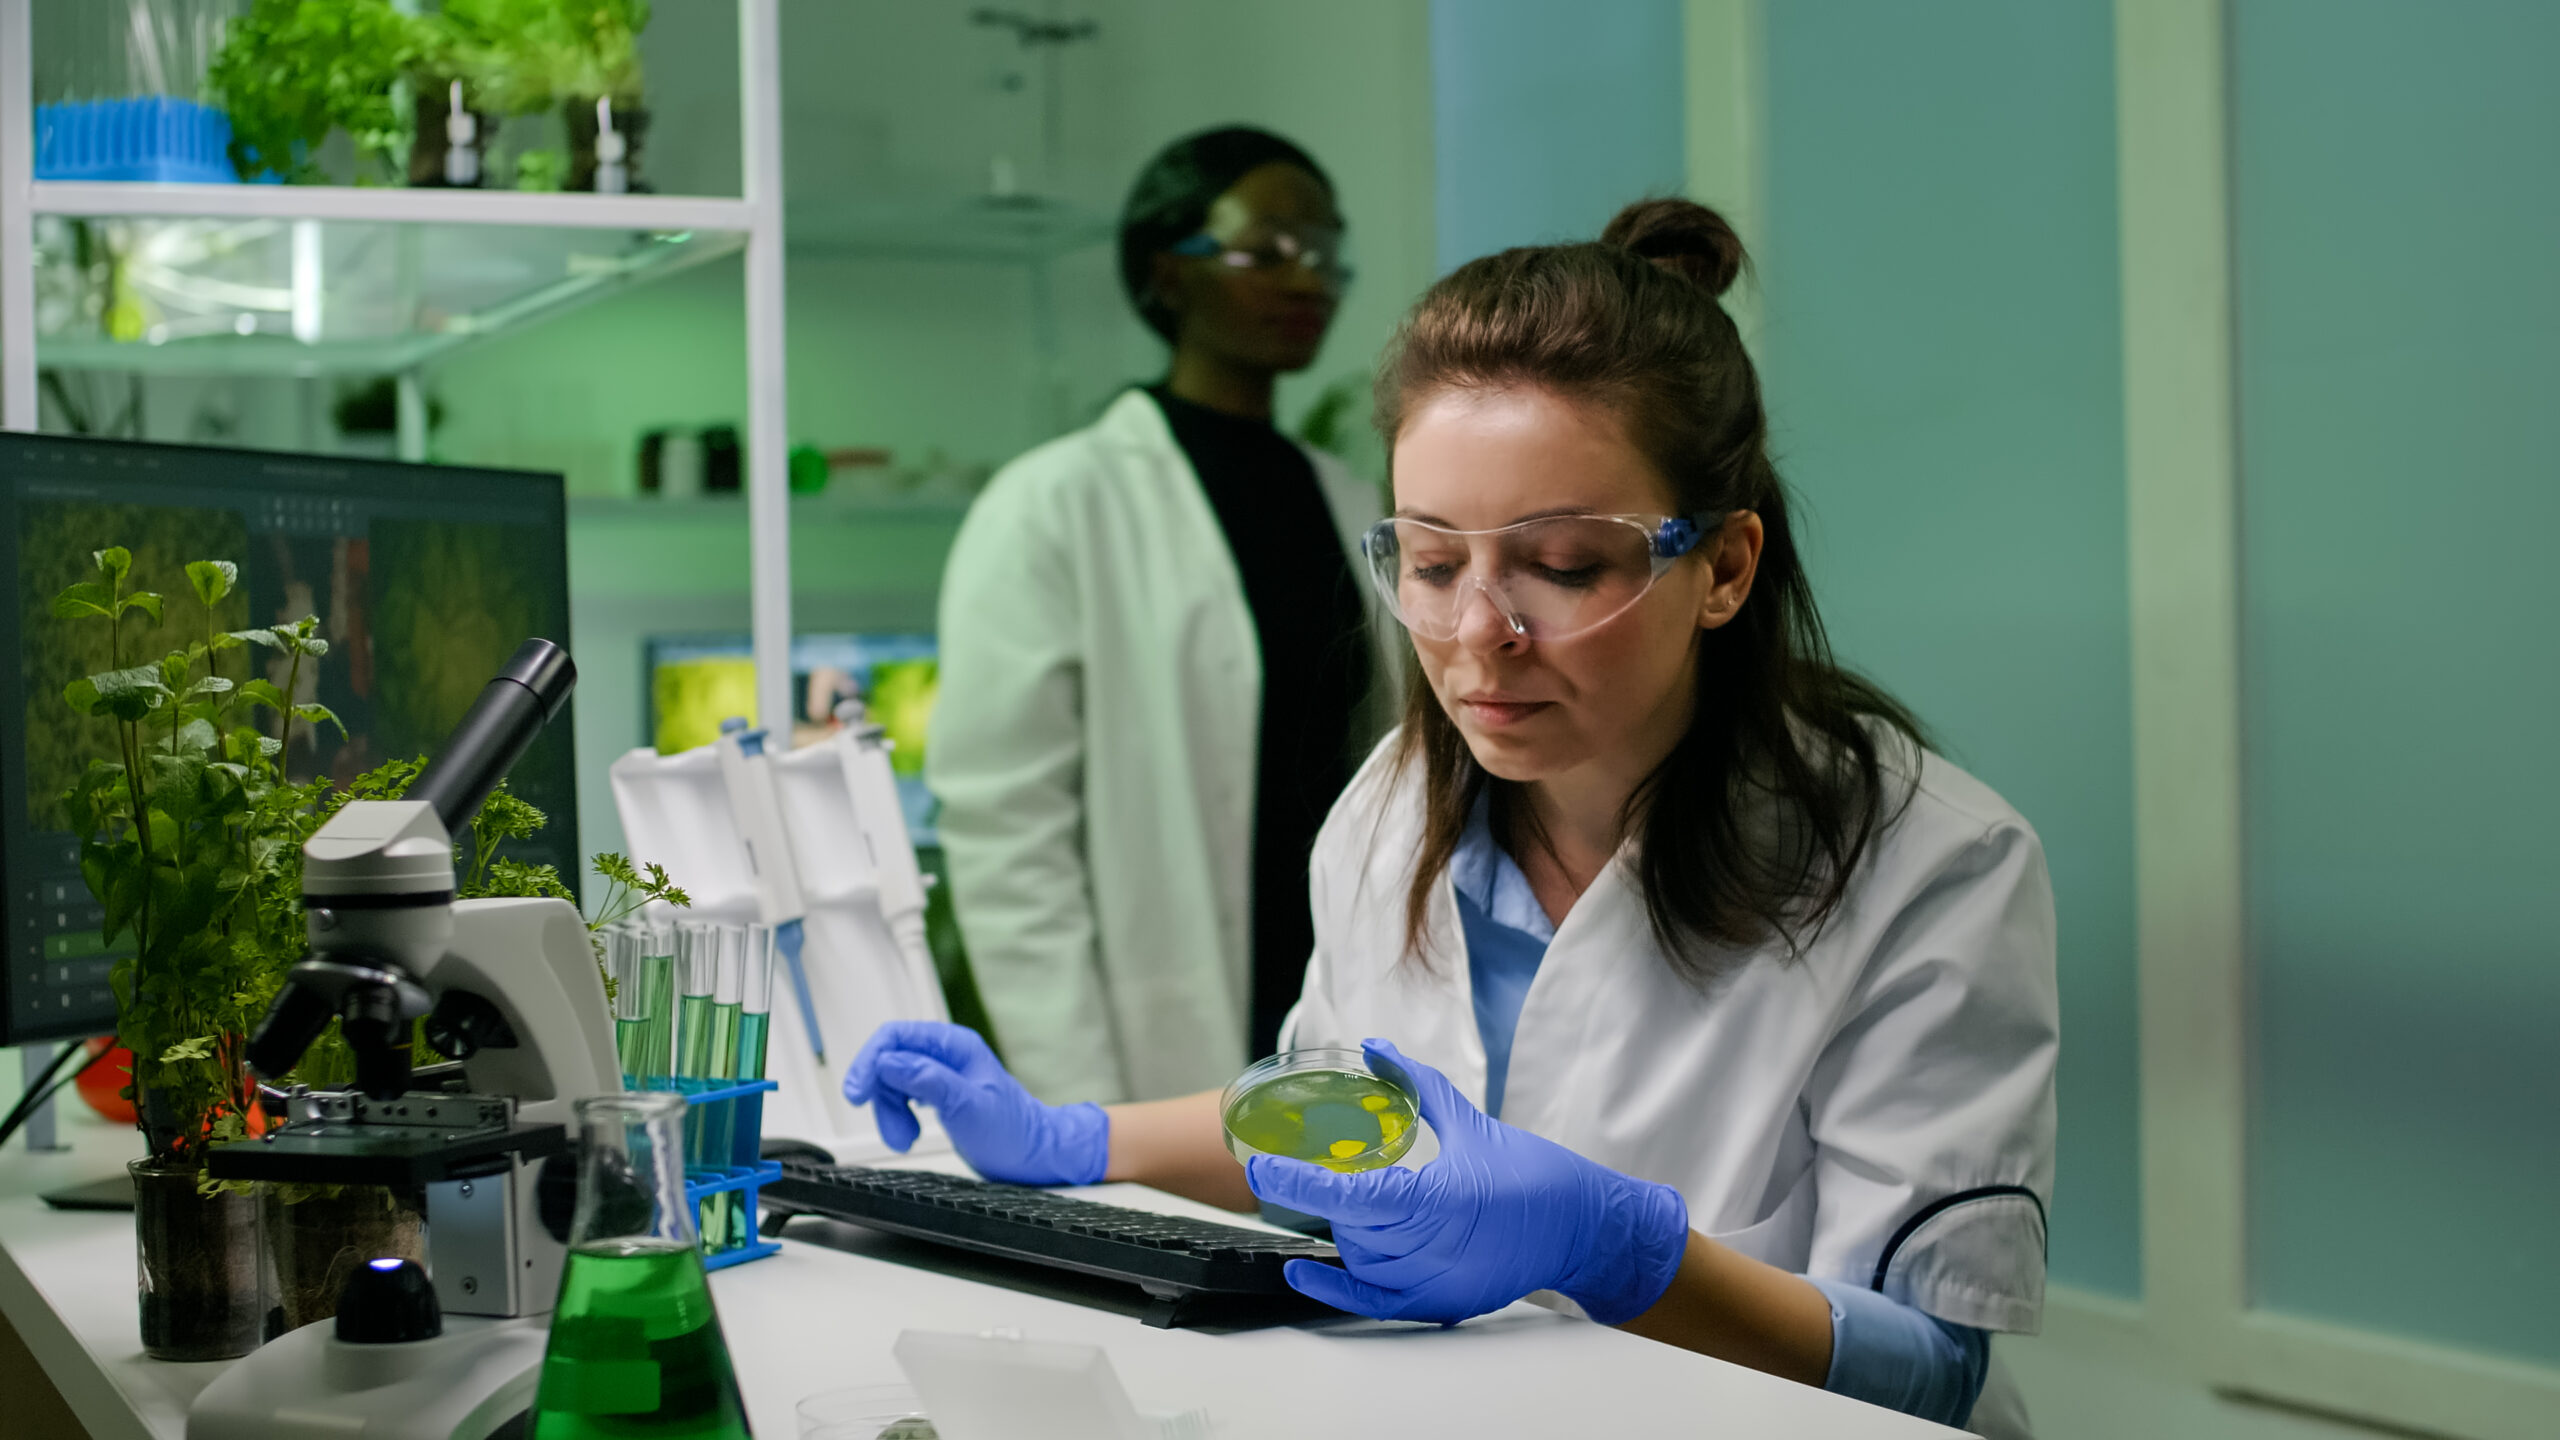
(388, 1302)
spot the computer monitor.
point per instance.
(425, 579)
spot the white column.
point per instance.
(2181, 489)
(17, 218)
(410, 391)
(768, 412)
(1727, 66)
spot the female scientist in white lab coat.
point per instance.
(1731, 1007)
(1157, 667)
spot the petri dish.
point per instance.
(1323, 1106)
(865, 1412)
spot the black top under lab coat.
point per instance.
(1315, 671)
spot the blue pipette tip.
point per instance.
(787, 938)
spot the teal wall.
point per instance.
(1547, 118)
(2398, 224)
(1943, 351)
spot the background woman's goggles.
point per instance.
(1547, 579)
(1269, 248)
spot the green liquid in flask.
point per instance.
(753, 1026)
(1339, 1119)
(636, 1350)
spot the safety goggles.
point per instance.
(1548, 579)
(1265, 248)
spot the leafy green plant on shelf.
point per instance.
(291, 72)
(529, 55)
(191, 841)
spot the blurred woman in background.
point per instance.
(1157, 667)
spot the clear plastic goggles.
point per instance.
(1548, 579)
(1265, 247)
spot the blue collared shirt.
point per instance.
(1882, 1351)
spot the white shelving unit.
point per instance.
(635, 238)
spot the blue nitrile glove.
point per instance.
(1498, 1214)
(1002, 1131)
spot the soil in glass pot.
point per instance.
(202, 1272)
(320, 1235)
(604, 146)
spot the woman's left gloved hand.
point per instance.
(1001, 1129)
(1498, 1214)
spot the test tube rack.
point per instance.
(723, 1137)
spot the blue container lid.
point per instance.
(149, 138)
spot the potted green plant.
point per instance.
(188, 828)
(292, 72)
(191, 841)
(582, 56)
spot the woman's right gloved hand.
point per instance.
(999, 1128)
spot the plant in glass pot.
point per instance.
(580, 55)
(192, 836)
(187, 826)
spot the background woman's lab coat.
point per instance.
(1094, 750)
(1809, 1110)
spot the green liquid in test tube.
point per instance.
(716, 1135)
(697, 974)
(755, 1002)
(755, 1020)
(630, 1003)
(727, 983)
(658, 999)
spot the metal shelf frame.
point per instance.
(756, 215)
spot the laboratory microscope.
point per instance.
(509, 991)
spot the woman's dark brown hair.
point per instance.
(1751, 828)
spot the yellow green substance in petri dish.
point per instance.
(1340, 1119)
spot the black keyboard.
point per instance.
(1171, 1257)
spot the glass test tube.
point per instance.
(755, 1002)
(622, 948)
(697, 976)
(727, 985)
(715, 1136)
(658, 999)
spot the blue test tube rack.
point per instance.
(724, 1134)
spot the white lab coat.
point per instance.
(1810, 1111)
(1094, 750)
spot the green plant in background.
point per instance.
(628, 888)
(188, 835)
(525, 56)
(542, 170)
(191, 841)
(1336, 422)
(292, 71)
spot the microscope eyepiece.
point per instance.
(525, 694)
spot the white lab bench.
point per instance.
(818, 1317)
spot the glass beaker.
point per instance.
(636, 1347)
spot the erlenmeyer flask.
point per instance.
(636, 1348)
